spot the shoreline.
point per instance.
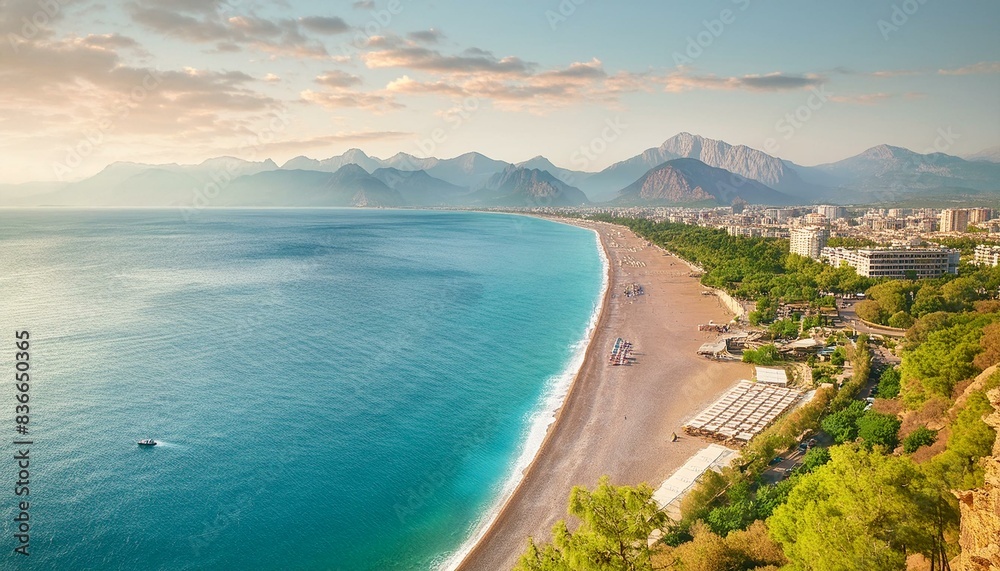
(498, 543)
(521, 469)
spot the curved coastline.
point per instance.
(543, 425)
(617, 421)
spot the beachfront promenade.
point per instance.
(619, 420)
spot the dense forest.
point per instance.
(880, 494)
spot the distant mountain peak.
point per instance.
(886, 152)
(688, 181)
(520, 186)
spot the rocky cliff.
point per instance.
(980, 535)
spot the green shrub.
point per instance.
(922, 436)
(888, 384)
(877, 429)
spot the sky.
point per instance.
(585, 83)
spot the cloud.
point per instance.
(981, 68)
(337, 78)
(325, 24)
(193, 22)
(516, 84)
(89, 88)
(406, 84)
(682, 80)
(344, 98)
(426, 59)
(862, 99)
(430, 36)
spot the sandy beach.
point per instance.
(618, 420)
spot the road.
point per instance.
(849, 317)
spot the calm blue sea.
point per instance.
(332, 389)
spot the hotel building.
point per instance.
(896, 262)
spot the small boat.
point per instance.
(147, 442)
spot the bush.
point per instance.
(839, 357)
(922, 436)
(888, 384)
(784, 328)
(766, 355)
(901, 320)
(878, 429)
(869, 310)
(815, 458)
(843, 425)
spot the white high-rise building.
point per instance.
(808, 241)
(980, 215)
(954, 220)
(832, 212)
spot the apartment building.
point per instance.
(896, 262)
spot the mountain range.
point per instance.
(685, 169)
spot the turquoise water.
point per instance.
(333, 389)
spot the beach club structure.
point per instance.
(744, 411)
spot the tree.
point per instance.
(751, 548)
(888, 384)
(814, 458)
(990, 345)
(615, 522)
(838, 357)
(843, 425)
(784, 328)
(859, 511)
(900, 320)
(877, 429)
(922, 436)
(870, 310)
(764, 356)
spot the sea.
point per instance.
(341, 389)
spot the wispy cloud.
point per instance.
(430, 36)
(684, 80)
(862, 99)
(981, 68)
(193, 22)
(425, 59)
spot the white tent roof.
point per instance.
(772, 376)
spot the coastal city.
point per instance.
(884, 242)
(465, 285)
